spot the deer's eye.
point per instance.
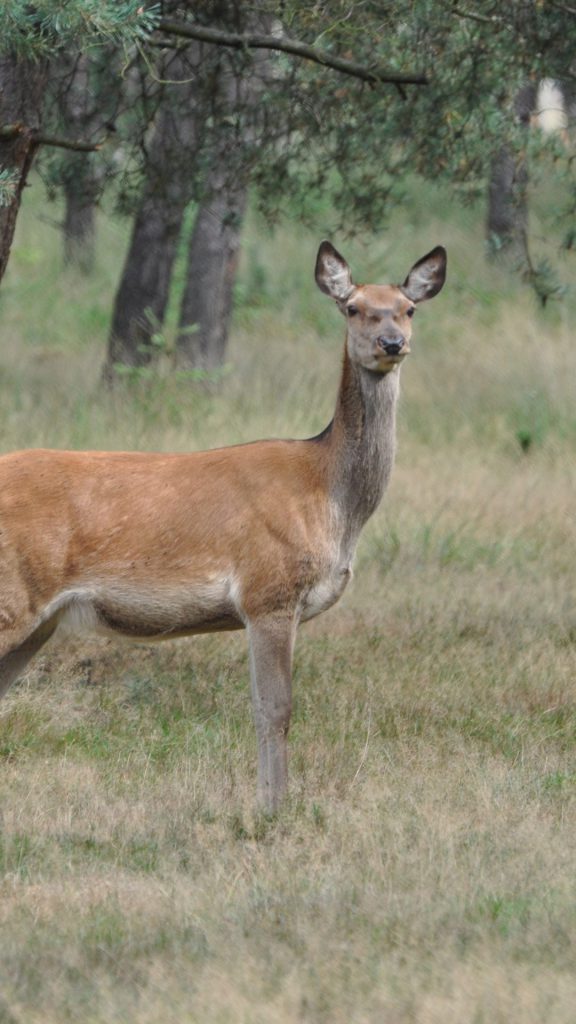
(410, 312)
(351, 310)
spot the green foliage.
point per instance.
(9, 180)
(304, 135)
(542, 276)
(39, 29)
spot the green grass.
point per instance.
(422, 871)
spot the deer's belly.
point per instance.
(151, 613)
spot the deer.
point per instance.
(261, 536)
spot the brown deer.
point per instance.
(257, 536)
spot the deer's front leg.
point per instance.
(271, 644)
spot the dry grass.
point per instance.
(423, 868)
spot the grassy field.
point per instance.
(423, 869)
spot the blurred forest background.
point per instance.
(166, 174)
(172, 115)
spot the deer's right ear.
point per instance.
(333, 273)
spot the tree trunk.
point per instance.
(568, 90)
(507, 208)
(22, 86)
(208, 292)
(144, 287)
(207, 299)
(142, 296)
(507, 221)
(80, 111)
(79, 225)
(214, 98)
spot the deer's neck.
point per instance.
(362, 442)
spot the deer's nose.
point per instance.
(391, 344)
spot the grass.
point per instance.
(422, 870)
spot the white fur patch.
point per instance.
(79, 616)
(326, 592)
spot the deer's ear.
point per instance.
(427, 276)
(333, 273)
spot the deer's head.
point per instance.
(379, 317)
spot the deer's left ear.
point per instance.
(427, 276)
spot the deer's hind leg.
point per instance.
(16, 652)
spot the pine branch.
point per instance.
(239, 41)
(11, 131)
(483, 19)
